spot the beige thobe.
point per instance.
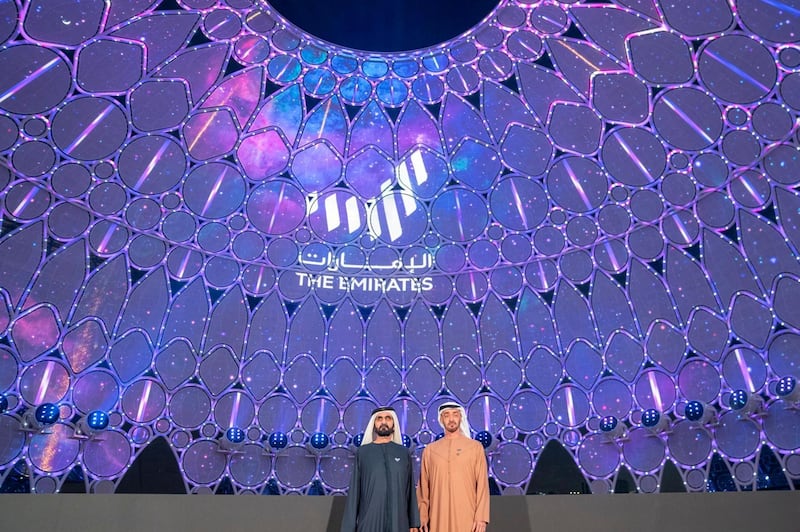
(453, 489)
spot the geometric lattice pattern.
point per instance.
(211, 219)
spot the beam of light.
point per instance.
(418, 164)
(320, 416)
(459, 216)
(577, 54)
(745, 370)
(681, 228)
(487, 413)
(783, 6)
(692, 124)
(611, 256)
(209, 120)
(112, 228)
(577, 184)
(284, 69)
(88, 130)
(750, 190)
(403, 417)
(353, 216)
(152, 164)
(325, 115)
(494, 64)
(214, 191)
(260, 278)
(33, 76)
(518, 204)
(143, 400)
(184, 263)
(542, 275)
(742, 75)
(655, 391)
(638, 162)
(473, 287)
(276, 210)
(44, 384)
(570, 406)
(237, 400)
(217, 26)
(25, 201)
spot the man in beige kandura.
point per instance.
(453, 491)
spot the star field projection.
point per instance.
(572, 212)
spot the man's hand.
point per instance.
(413, 530)
(479, 526)
(424, 528)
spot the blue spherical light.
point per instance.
(485, 438)
(234, 435)
(786, 386)
(608, 423)
(278, 440)
(694, 410)
(357, 439)
(651, 417)
(3, 403)
(47, 414)
(738, 399)
(439, 436)
(319, 440)
(97, 420)
(407, 441)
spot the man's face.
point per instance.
(384, 424)
(451, 419)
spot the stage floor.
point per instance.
(216, 513)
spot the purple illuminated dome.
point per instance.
(213, 216)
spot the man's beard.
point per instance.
(384, 430)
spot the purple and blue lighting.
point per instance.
(572, 212)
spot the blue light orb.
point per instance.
(407, 441)
(234, 435)
(97, 420)
(3, 403)
(694, 411)
(608, 423)
(651, 417)
(786, 386)
(47, 414)
(357, 439)
(738, 399)
(319, 440)
(439, 436)
(485, 438)
(278, 440)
